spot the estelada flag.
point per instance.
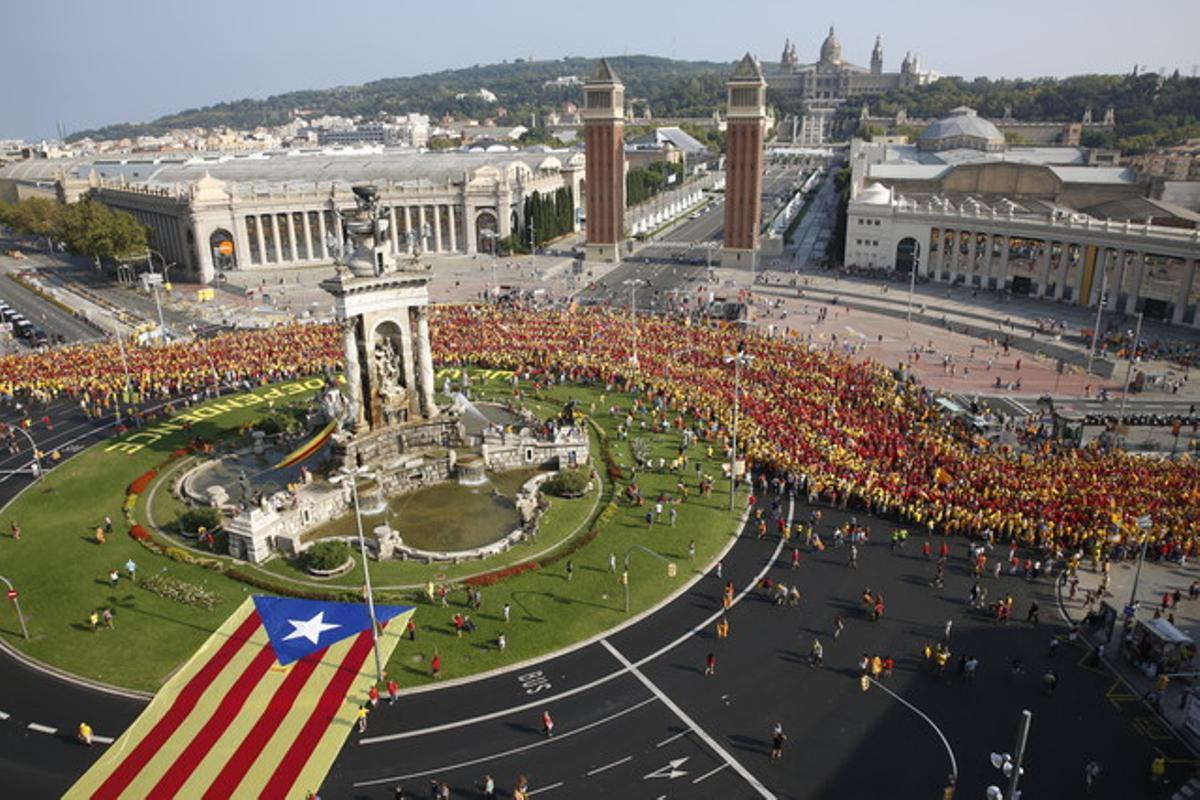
(261, 710)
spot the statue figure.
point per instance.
(334, 406)
(387, 369)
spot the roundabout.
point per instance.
(551, 617)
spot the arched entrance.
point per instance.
(907, 254)
(486, 233)
(224, 253)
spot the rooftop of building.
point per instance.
(961, 122)
(298, 168)
(673, 135)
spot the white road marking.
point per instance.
(513, 751)
(598, 770)
(544, 789)
(3, 715)
(33, 726)
(673, 738)
(671, 771)
(932, 724)
(504, 712)
(710, 773)
(103, 739)
(763, 791)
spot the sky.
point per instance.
(93, 63)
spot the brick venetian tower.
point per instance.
(604, 135)
(747, 117)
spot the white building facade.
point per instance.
(284, 209)
(1071, 257)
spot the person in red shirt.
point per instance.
(373, 696)
(393, 690)
(547, 723)
(435, 665)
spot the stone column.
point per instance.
(406, 359)
(425, 362)
(1064, 268)
(437, 228)
(261, 241)
(1188, 274)
(291, 228)
(1044, 268)
(275, 237)
(1139, 269)
(1117, 286)
(242, 241)
(453, 232)
(322, 232)
(353, 372)
(1002, 278)
(307, 227)
(340, 233)
(409, 243)
(469, 229)
(394, 230)
(421, 228)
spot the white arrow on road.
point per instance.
(671, 771)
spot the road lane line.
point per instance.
(598, 770)
(710, 773)
(103, 739)
(703, 625)
(33, 726)
(544, 789)
(673, 738)
(524, 748)
(932, 724)
(3, 715)
(762, 790)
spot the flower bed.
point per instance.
(495, 576)
(179, 591)
(142, 481)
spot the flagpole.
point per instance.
(362, 549)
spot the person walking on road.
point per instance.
(816, 655)
(1090, 773)
(946, 631)
(547, 723)
(710, 664)
(1032, 616)
(489, 788)
(838, 625)
(777, 740)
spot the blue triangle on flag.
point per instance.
(298, 627)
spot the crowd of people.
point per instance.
(101, 375)
(849, 430)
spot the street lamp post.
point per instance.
(352, 478)
(912, 286)
(166, 272)
(633, 284)
(1099, 310)
(1137, 337)
(1010, 766)
(737, 361)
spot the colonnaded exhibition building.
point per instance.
(212, 212)
(1064, 223)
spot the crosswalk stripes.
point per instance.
(1188, 791)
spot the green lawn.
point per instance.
(62, 573)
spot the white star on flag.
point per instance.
(310, 629)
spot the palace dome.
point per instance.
(831, 49)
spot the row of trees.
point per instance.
(551, 216)
(1151, 110)
(86, 228)
(642, 184)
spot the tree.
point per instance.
(94, 230)
(34, 216)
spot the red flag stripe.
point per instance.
(125, 773)
(216, 725)
(226, 782)
(314, 728)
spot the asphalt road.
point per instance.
(636, 717)
(45, 315)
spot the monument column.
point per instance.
(453, 232)
(469, 229)
(410, 373)
(425, 362)
(275, 237)
(353, 372)
(747, 114)
(1139, 270)
(437, 228)
(293, 250)
(395, 232)
(322, 232)
(604, 137)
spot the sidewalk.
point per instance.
(1156, 579)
